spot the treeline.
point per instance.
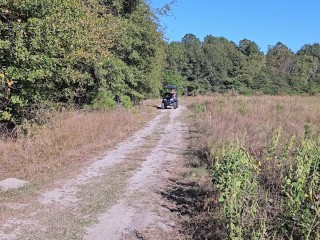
(219, 65)
(96, 53)
(90, 53)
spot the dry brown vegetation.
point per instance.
(68, 140)
(263, 152)
(252, 120)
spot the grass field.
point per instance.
(263, 153)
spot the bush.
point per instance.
(103, 101)
(126, 101)
(234, 174)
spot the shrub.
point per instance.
(126, 101)
(301, 187)
(103, 101)
(234, 174)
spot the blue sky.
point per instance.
(294, 23)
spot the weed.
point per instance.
(301, 187)
(264, 154)
(234, 174)
(199, 108)
(272, 150)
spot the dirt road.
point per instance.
(117, 196)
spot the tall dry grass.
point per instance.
(279, 136)
(67, 141)
(252, 120)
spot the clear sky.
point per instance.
(266, 22)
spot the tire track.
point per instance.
(137, 209)
(122, 184)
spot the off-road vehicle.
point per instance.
(170, 97)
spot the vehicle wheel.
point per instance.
(162, 106)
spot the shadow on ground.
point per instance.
(193, 197)
(155, 106)
(198, 210)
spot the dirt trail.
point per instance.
(117, 196)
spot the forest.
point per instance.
(95, 54)
(220, 65)
(56, 53)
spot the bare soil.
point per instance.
(118, 196)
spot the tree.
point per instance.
(194, 70)
(140, 46)
(71, 51)
(249, 48)
(279, 60)
(312, 51)
(217, 64)
(190, 40)
(304, 67)
(176, 63)
(176, 57)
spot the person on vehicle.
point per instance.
(174, 93)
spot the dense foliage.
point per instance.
(98, 52)
(219, 65)
(55, 52)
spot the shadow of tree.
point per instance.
(201, 215)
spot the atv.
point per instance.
(170, 97)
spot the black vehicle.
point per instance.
(170, 97)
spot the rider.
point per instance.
(174, 93)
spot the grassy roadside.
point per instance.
(59, 149)
(189, 193)
(262, 154)
(68, 141)
(70, 222)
